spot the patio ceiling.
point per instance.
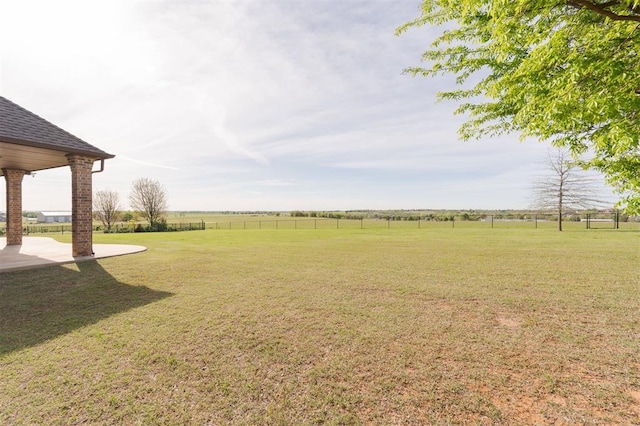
(30, 159)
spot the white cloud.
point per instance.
(277, 104)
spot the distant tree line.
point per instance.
(447, 216)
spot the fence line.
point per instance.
(160, 227)
(546, 221)
(490, 221)
(116, 228)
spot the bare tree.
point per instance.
(149, 197)
(106, 206)
(565, 186)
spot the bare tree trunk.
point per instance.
(560, 195)
(560, 217)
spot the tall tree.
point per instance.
(565, 71)
(106, 206)
(565, 187)
(149, 197)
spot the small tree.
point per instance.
(106, 206)
(149, 197)
(565, 186)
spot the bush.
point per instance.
(160, 226)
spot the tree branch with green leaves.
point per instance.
(565, 72)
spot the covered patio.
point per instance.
(29, 143)
(35, 252)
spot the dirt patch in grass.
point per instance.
(508, 322)
(635, 395)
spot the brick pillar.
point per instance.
(81, 204)
(13, 179)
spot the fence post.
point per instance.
(535, 219)
(315, 223)
(491, 221)
(453, 221)
(361, 223)
(337, 223)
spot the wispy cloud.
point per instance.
(289, 104)
(145, 163)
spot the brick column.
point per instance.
(81, 204)
(13, 179)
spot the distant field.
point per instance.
(330, 326)
(270, 221)
(283, 220)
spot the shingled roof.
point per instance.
(29, 142)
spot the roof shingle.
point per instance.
(21, 127)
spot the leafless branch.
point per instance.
(604, 9)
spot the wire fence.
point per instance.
(115, 229)
(588, 221)
(160, 227)
(536, 221)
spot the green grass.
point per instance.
(349, 326)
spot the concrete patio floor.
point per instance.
(42, 251)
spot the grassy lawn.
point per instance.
(349, 326)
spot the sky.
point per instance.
(238, 105)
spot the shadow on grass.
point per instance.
(40, 304)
